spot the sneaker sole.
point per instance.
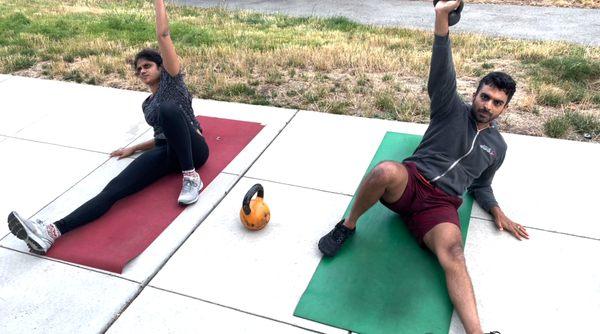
(190, 202)
(19, 230)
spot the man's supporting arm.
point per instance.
(481, 189)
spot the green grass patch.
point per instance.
(556, 127)
(193, 36)
(363, 81)
(552, 96)
(14, 23)
(386, 102)
(315, 95)
(20, 62)
(274, 77)
(336, 107)
(582, 124)
(572, 68)
(342, 24)
(261, 101)
(238, 89)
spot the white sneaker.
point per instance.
(190, 191)
(33, 232)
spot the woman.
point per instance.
(178, 145)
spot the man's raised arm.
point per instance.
(442, 77)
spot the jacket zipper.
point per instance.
(459, 159)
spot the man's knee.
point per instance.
(451, 255)
(384, 172)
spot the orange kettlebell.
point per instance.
(255, 213)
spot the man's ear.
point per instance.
(503, 109)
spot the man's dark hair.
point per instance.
(501, 81)
(148, 54)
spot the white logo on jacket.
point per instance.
(488, 149)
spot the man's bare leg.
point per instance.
(388, 180)
(444, 240)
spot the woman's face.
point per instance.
(147, 71)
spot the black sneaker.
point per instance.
(331, 242)
(493, 332)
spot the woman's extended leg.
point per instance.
(143, 171)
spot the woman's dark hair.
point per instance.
(501, 81)
(148, 54)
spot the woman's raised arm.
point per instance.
(167, 49)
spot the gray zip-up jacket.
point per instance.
(453, 154)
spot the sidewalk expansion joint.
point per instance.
(544, 230)
(563, 233)
(299, 186)
(71, 187)
(54, 144)
(83, 178)
(95, 270)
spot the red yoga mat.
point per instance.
(133, 223)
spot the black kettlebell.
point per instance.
(454, 15)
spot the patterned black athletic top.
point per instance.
(171, 89)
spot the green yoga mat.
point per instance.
(381, 281)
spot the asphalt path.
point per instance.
(576, 25)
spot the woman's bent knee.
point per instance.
(168, 110)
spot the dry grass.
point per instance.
(328, 65)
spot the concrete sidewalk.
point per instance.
(188, 279)
(574, 25)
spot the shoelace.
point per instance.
(39, 224)
(187, 185)
(338, 235)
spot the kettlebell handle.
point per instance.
(453, 16)
(257, 188)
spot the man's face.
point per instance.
(489, 103)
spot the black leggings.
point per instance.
(184, 149)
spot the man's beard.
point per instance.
(483, 115)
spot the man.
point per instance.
(461, 149)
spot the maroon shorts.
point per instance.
(423, 205)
